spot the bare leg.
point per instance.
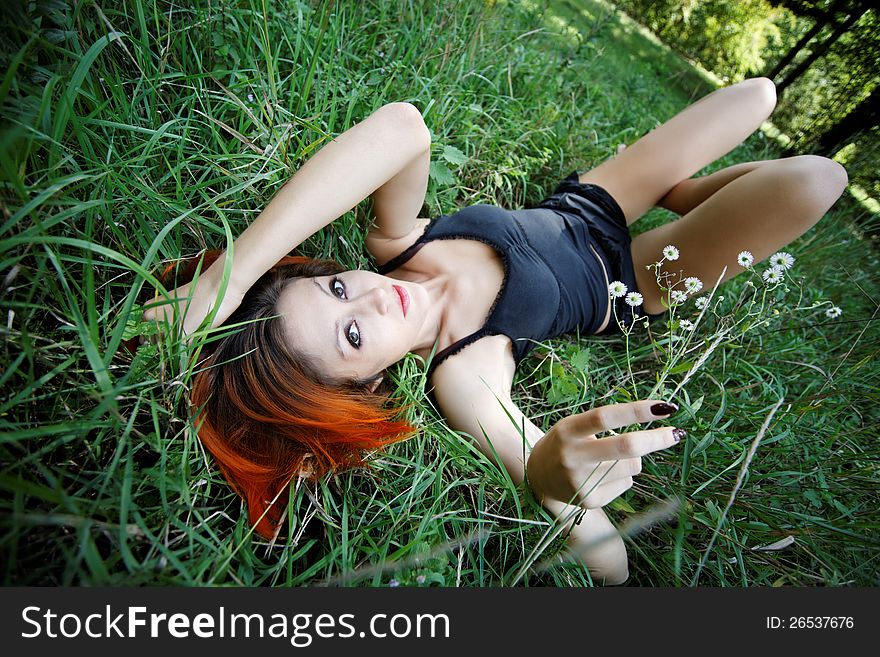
(759, 211)
(645, 172)
(755, 206)
(688, 194)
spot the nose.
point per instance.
(379, 299)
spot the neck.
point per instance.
(438, 290)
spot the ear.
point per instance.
(374, 384)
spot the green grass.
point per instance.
(120, 154)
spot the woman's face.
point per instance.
(354, 324)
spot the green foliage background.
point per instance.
(744, 38)
(136, 133)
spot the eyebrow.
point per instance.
(337, 327)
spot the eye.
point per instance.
(354, 335)
(337, 288)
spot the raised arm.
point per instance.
(357, 163)
(338, 177)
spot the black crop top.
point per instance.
(553, 280)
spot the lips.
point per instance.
(403, 297)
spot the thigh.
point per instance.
(645, 172)
(760, 211)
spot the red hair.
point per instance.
(263, 411)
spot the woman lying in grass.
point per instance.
(292, 386)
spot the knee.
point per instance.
(820, 181)
(831, 173)
(761, 93)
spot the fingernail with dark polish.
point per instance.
(664, 408)
(678, 434)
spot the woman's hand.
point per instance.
(571, 464)
(194, 301)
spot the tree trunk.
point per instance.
(864, 117)
(820, 50)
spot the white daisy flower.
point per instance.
(670, 252)
(773, 275)
(782, 260)
(617, 289)
(701, 303)
(833, 312)
(693, 284)
(686, 325)
(745, 259)
(634, 299)
(678, 296)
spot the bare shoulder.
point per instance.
(473, 386)
(384, 248)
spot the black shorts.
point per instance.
(608, 228)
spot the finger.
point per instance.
(615, 416)
(629, 467)
(162, 310)
(632, 444)
(598, 475)
(610, 469)
(155, 310)
(157, 314)
(606, 493)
